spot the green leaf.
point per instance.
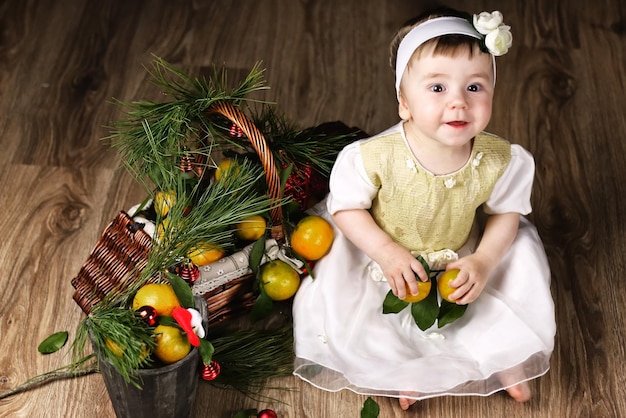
(284, 175)
(206, 351)
(425, 312)
(262, 306)
(169, 321)
(256, 255)
(370, 409)
(182, 290)
(449, 313)
(392, 304)
(53, 343)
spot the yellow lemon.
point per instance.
(160, 296)
(163, 202)
(423, 290)
(251, 228)
(226, 168)
(205, 253)
(443, 284)
(171, 344)
(279, 280)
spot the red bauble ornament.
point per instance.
(210, 371)
(266, 413)
(235, 131)
(189, 272)
(148, 314)
(305, 185)
(187, 162)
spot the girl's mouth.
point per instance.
(457, 123)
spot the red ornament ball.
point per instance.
(189, 272)
(210, 371)
(148, 314)
(266, 413)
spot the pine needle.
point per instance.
(248, 358)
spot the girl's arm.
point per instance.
(396, 262)
(475, 269)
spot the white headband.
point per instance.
(430, 29)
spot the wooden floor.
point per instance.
(560, 93)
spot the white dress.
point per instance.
(344, 341)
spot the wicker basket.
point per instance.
(122, 250)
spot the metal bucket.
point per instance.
(166, 392)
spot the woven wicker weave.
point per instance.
(122, 250)
(119, 256)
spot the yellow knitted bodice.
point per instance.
(427, 212)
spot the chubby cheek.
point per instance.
(483, 111)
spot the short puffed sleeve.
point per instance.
(350, 188)
(512, 190)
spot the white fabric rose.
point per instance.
(499, 40)
(498, 37)
(485, 22)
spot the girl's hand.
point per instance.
(473, 274)
(399, 267)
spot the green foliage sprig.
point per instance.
(429, 310)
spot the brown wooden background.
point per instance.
(560, 93)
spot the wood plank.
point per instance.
(559, 93)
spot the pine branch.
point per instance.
(70, 371)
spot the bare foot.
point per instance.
(405, 403)
(520, 392)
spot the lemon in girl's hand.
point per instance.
(279, 280)
(163, 202)
(312, 237)
(251, 228)
(443, 284)
(160, 296)
(171, 344)
(205, 253)
(423, 290)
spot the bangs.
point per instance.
(449, 46)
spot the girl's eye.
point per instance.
(437, 88)
(473, 88)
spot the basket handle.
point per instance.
(256, 138)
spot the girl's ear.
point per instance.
(403, 108)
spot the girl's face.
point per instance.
(446, 100)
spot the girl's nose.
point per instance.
(457, 100)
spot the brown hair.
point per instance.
(448, 45)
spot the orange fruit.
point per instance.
(205, 253)
(312, 237)
(163, 202)
(443, 284)
(279, 280)
(171, 344)
(423, 290)
(160, 296)
(251, 228)
(226, 168)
